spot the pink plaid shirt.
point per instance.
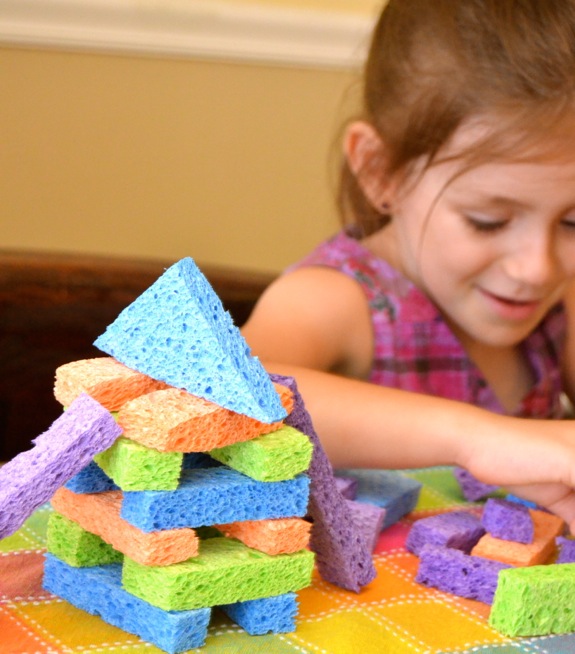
(415, 349)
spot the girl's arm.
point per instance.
(299, 329)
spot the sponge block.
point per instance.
(32, 477)
(91, 479)
(76, 546)
(178, 332)
(98, 590)
(280, 536)
(281, 455)
(458, 529)
(508, 520)
(456, 572)
(225, 572)
(343, 556)
(389, 489)
(99, 513)
(106, 380)
(535, 601)
(210, 496)
(174, 420)
(135, 467)
(546, 528)
(267, 615)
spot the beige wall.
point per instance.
(227, 163)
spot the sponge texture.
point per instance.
(281, 455)
(135, 467)
(225, 572)
(546, 528)
(106, 380)
(173, 420)
(508, 520)
(281, 536)
(78, 547)
(343, 556)
(210, 496)
(458, 529)
(32, 477)
(267, 615)
(99, 514)
(178, 332)
(98, 590)
(535, 601)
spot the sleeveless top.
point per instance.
(414, 348)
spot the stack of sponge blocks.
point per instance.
(201, 501)
(508, 558)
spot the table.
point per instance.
(392, 615)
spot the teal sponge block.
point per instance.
(178, 332)
(276, 456)
(98, 590)
(535, 600)
(212, 496)
(135, 467)
(225, 572)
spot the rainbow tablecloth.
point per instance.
(391, 615)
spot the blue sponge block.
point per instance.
(274, 615)
(211, 496)
(98, 590)
(177, 331)
(91, 479)
(389, 489)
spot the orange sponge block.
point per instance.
(278, 536)
(546, 528)
(106, 380)
(173, 420)
(99, 513)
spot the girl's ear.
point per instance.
(366, 157)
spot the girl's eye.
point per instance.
(485, 223)
(569, 223)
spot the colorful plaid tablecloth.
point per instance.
(393, 614)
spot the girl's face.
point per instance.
(493, 246)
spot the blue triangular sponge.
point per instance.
(177, 331)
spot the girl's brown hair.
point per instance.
(435, 64)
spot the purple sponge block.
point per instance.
(508, 520)
(472, 489)
(566, 549)
(32, 477)
(343, 557)
(178, 332)
(347, 487)
(456, 572)
(458, 529)
(369, 519)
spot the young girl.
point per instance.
(443, 315)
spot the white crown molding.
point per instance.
(189, 28)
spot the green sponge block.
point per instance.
(75, 546)
(135, 467)
(277, 456)
(535, 600)
(226, 571)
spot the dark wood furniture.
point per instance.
(52, 308)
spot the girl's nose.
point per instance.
(533, 263)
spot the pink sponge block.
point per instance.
(32, 477)
(99, 513)
(175, 421)
(108, 381)
(277, 536)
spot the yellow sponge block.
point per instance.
(106, 380)
(172, 420)
(99, 513)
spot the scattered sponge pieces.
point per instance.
(458, 529)
(535, 600)
(178, 332)
(508, 520)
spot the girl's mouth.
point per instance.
(509, 308)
